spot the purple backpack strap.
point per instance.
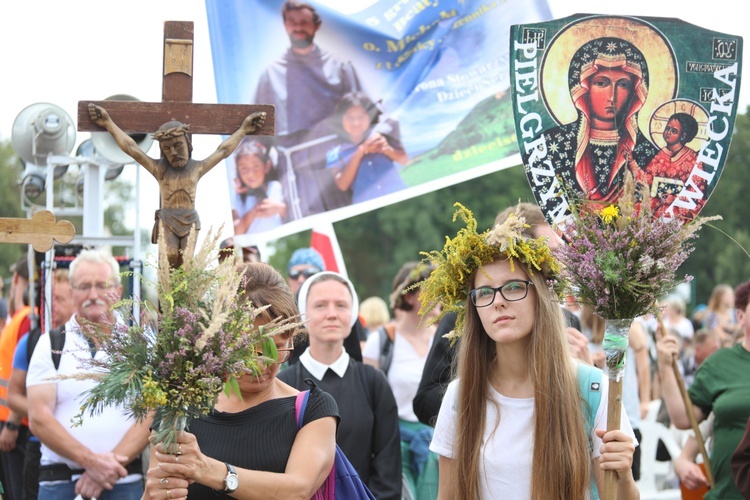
(299, 406)
(327, 490)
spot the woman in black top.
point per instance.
(254, 436)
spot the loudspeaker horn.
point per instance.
(40, 130)
(106, 146)
(33, 181)
(87, 150)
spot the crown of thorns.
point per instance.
(178, 130)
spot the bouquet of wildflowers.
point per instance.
(199, 343)
(620, 259)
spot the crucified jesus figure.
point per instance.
(176, 172)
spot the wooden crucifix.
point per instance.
(176, 172)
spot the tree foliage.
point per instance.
(10, 205)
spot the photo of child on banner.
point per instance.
(624, 126)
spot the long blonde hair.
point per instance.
(561, 453)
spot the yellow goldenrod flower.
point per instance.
(609, 214)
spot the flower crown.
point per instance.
(449, 283)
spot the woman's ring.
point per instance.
(169, 495)
(164, 481)
(176, 458)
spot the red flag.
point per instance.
(324, 241)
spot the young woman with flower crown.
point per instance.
(513, 423)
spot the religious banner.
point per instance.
(624, 125)
(375, 102)
(598, 96)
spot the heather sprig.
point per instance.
(619, 258)
(176, 360)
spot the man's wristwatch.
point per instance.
(11, 426)
(231, 481)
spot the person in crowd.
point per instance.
(704, 343)
(374, 313)
(100, 458)
(305, 84)
(592, 327)
(257, 202)
(364, 159)
(515, 408)
(400, 351)
(15, 430)
(304, 263)
(3, 312)
(62, 310)
(3, 321)
(437, 369)
(249, 254)
(690, 474)
(368, 434)
(741, 464)
(698, 316)
(721, 315)
(253, 437)
(737, 337)
(721, 386)
(674, 317)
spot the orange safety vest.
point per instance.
(8, 341)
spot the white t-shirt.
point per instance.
(101, 432)
(683, 326)
(505, 462)
(405, 371)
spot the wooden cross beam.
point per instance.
(177, 95)
(40, 231)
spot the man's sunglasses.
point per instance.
(306, 273)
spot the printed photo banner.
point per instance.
(383, 101)
(597, 96)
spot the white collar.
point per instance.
(318, 369)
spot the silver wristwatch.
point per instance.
(231, 481)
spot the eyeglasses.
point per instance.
(511, 291)
(305, 272)
(284, 353)
(86, 287)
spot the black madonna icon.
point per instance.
(598, 96)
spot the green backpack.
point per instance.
(590, 385)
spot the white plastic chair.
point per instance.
(654, 473)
